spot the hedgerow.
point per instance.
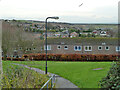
(67, 57)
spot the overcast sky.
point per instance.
(92, 11)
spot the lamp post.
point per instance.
(46, 39)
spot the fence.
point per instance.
(52, 79)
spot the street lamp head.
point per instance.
(53, 17)
(56, 17)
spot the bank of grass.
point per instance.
(19, 77)
(79, 73)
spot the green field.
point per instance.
(80, 73)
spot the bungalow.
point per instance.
(104, 33)
(57, 34)
(49, 34)
(65, 32)
(73, 34)
(65, 35)
(95, 32)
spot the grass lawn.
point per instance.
(79, 73)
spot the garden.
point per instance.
(82, 74)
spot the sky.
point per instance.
(91, 11)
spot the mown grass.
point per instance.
(80, 73)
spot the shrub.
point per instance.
(112, 80)
(67, 57)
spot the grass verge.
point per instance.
(79, 73)
(19, 77)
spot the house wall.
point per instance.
(70, 50)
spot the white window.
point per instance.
(103, 43)
(20, 48)
(117, 48)
(59, 47)
(34, 48)
(27, 49)
(66, 47)
(30, 49)
(77, 48)
(41, 48)
(107, 47)
(48, 47)
(99, 47)
(88, 48)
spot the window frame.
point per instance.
(77, 48)
(87, 48)
(58, 46)
(108, 47)
(47, 47)
(117, 47)
(99, 46)
(34, 48)
(20, 48)
(66, 48)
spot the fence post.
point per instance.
(47, 86)
(51, 83)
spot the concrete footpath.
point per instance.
(60, 81)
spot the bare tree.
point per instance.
(6, 38)
(16, 39)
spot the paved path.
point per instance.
(60, 82)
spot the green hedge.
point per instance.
(67, 57)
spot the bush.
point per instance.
(112, 80)
(67, 57)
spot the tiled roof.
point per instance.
(83, 41)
